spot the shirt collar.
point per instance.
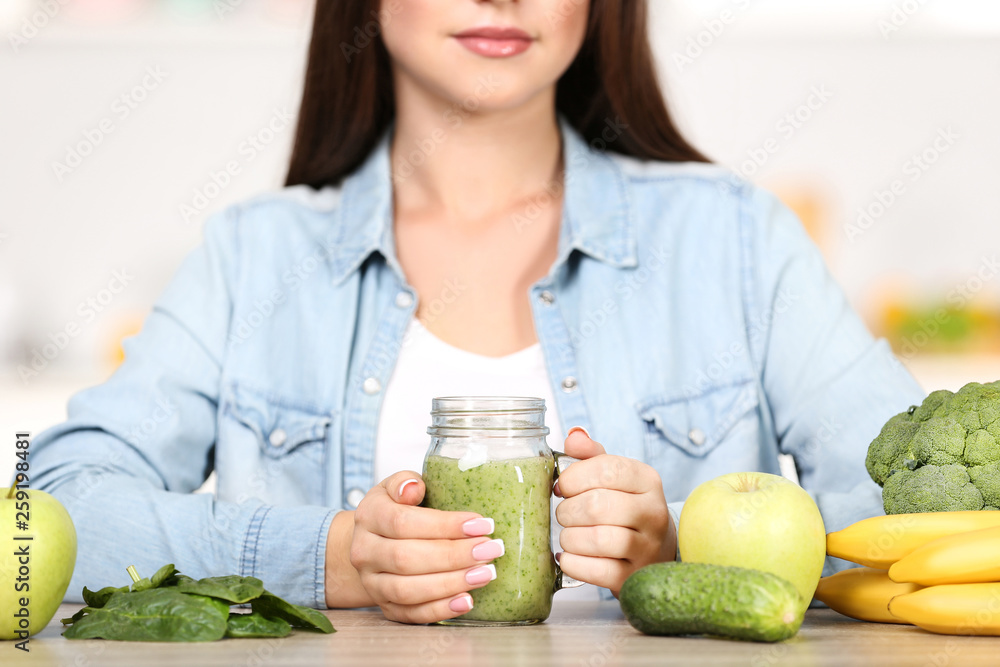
(596, 220)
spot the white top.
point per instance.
(428, 368)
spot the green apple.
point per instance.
(36, 563)
(755, 520)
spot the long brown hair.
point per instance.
(348, 101)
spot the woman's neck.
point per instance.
(470, 164)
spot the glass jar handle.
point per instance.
(563, 580)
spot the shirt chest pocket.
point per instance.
(698, 424)
(276, 447)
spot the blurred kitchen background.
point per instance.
(876, 120)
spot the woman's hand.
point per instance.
(614, 515)
(416, 563)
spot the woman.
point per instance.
(481, 186)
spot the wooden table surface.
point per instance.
(584, 634)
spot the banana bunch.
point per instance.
(937, 570)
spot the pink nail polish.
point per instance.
(488, 550)
(556, 490)
(478, 527)
(461, 604)
(404, 485)
(481, 575)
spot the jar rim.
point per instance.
(480, 432)
(465, 416)
(453, 404)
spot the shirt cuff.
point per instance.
(285, 547)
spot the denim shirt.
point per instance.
(687, 322)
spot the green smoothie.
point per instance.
(515, 493)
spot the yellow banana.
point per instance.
(862, 593)
(966, 558)
(956, 609)
(882, 540)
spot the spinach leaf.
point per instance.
(255, 625)
(100, 598)
(154, 615)
(272, 606)
(77, 616)
(94, 600)
(161, 577)
(232, 588)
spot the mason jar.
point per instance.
(488, 455)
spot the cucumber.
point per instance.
(703, 599)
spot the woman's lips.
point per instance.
(494, 42)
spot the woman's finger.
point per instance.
(609, 472)
(429, 612)
(414, 557)
(580, 445)
(381, 514)
(609, 573)
(615, 508)
(406, 487)
(425, 588)
(602, 541)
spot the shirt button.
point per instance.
(547, 297)
(697, 437)
(569, 384)
(277, 437)
(404, 299)
(354, 497)
(371, 386)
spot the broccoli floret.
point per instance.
(940, 441)
(890, 451)
(987, 479)
(931, 489)
(933, 401)
(981, 448)
(919, 453)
